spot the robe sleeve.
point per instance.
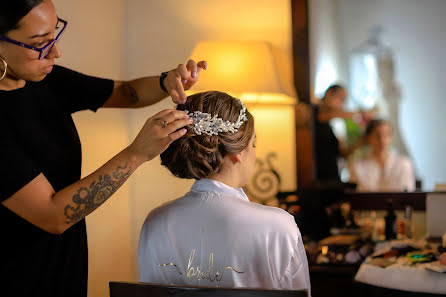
(296, 276)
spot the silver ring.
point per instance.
(164, 124)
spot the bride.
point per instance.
(213, 235)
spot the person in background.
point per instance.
(327, 147)
(44, 200)
(213, 235)
(329, 189)
(382, 170)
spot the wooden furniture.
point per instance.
(123, 289)
(338, 280)
(301, 67)
(335, 281)
(378, 201)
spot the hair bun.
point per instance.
(198, 156)
(193, 156)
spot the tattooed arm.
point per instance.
(87, 199)
(53, 212)
(147, 91)
(38, 203)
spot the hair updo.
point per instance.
(198, 156)
(12, 11)
(373, 124)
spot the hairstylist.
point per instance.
(43, 200)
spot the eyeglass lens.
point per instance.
(57, 34)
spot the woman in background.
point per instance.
(382, 170)
(213, 235)
(328, 149)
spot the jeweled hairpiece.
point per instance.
(212, 125)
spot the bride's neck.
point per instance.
(227, 176)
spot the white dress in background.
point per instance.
(214, 236)
(397, 176)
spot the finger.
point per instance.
(198, 72)
(182, 72)
(191, 82)
(163, 113)
(175, 115)
(177, 134)
(192, 67)
(173, 126)
(203, 65)
(171, 138)
(175, 96)
(179, 88)
(172, 116)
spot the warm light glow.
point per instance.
(324, 250)
(261, 77)
(252, 71)
(265, 98)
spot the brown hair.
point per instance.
(197, 156)
(373, 124)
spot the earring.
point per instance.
(6, 68)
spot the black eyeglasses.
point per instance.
(46, 49)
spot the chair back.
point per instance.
(124, 289)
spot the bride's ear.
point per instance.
(235, 158)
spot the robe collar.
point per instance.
(210, 185)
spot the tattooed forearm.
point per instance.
(88, 199)
(133, 95)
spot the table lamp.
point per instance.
(253, 71)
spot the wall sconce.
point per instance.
(253, 71)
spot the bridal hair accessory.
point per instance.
(212, 125)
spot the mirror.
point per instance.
(412, 32)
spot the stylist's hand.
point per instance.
(183, 78)
(158, 132)
(368, 115)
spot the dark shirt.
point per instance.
(39, 136)
(327, 150)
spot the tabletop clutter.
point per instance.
(377, 241)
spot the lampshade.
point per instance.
(254, 71)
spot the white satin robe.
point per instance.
(398, 174)
(214, 236)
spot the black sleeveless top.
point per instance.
(327, 150)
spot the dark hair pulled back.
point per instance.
(332, 89)
(373, 124)
(198, 156)
(12, 11)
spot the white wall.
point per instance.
(325, 55)
(415, 30)
(126, 39)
